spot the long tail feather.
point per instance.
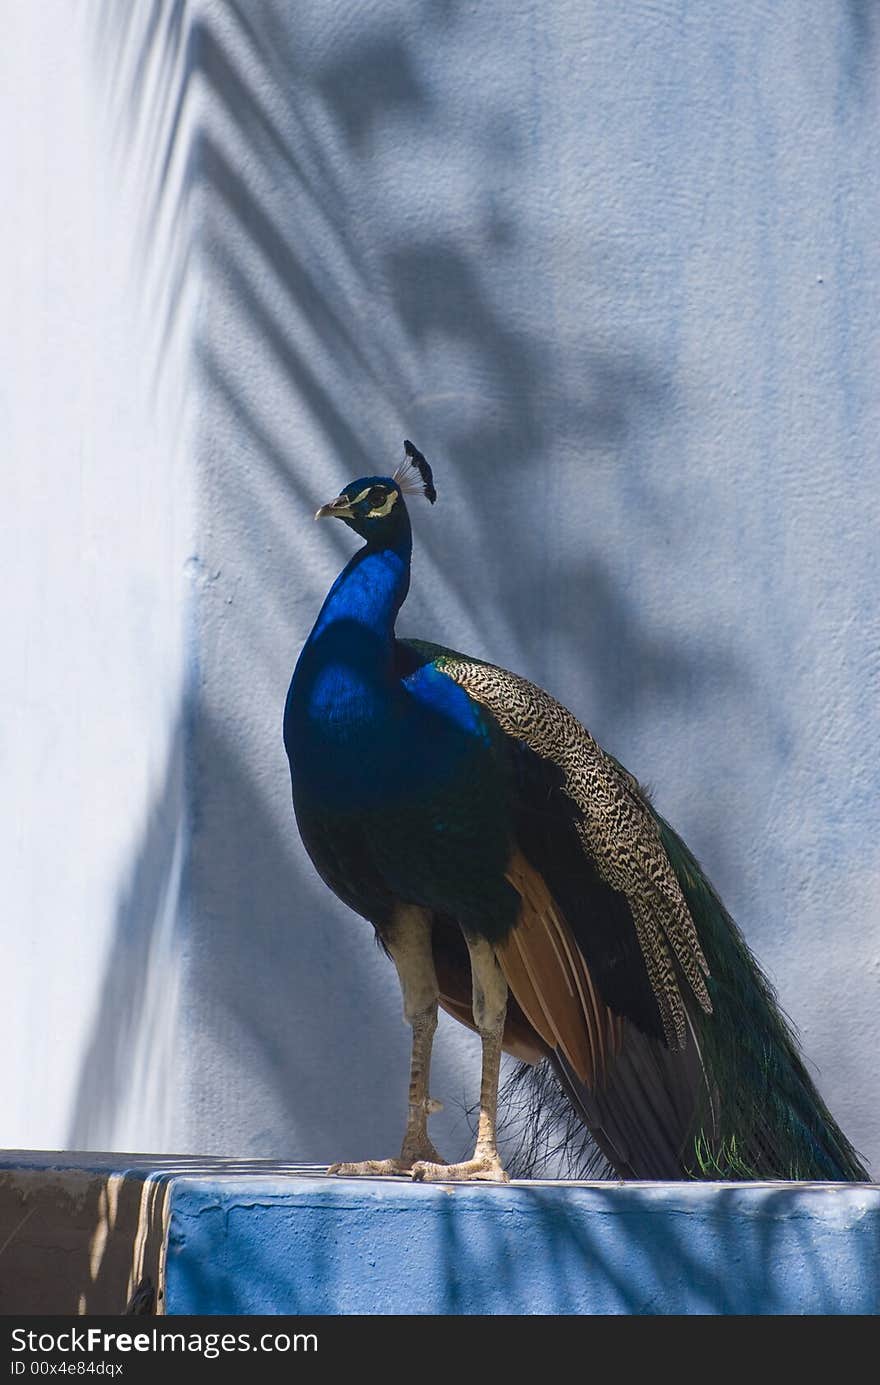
(736, 1103)
(639, 1120)
(769, 1119)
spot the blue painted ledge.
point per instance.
(218, 1236)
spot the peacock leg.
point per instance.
(409, 943)
(490, 1008)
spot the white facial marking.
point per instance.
(384, 509)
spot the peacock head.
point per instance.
(373, 506)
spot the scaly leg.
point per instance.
(490, 1008)
(409, 943)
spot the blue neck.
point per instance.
(345, 672)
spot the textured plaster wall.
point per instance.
(614, 268)
(95, 486)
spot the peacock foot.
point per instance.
(410, 1155)
(483, 1168)
(366, 1167)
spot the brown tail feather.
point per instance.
(550, 981)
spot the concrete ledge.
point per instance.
(98, 1233)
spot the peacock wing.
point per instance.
(586, 825)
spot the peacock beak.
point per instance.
(340, 508)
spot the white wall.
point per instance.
(614, 269)
(96, 353)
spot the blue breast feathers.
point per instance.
(357, 734)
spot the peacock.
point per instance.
(520, 878)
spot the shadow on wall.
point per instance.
(126, 1084)
(858, 59)
(636, 1264)
(403, 321)
(595, 1250)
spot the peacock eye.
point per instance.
(376, 497)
